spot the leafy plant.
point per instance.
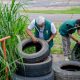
(30, 50)
(11, 24)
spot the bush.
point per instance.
(11, 24)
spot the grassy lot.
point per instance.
(67, 11)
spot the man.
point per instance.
(66, 31)
(44, 29)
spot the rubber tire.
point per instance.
(49, 76)
(35, 57)
(61, 74)
(74, 53)
(34, 69)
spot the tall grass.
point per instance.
(11, 24)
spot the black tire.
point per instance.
(67, 70)
(49, 76)
(75, 54)
(35, 57)
(34, 69)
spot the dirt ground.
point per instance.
(58, 57)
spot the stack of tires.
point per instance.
(36, 66)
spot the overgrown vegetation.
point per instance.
(11, 24)
(30, 50)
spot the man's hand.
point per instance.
(78, 42)
(48, 41)
(52, 37)
(34, 39)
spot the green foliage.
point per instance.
(11, 24)
(30, 50)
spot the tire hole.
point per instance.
(31, 47)
(71, 68)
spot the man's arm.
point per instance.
(52, 37)
(34, 39)
(72, 37)
(29, 32)
(54, 32)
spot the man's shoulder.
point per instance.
(70, 21)
(67, 22)
(46, 20)
(33, 21)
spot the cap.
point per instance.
(40, 20)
